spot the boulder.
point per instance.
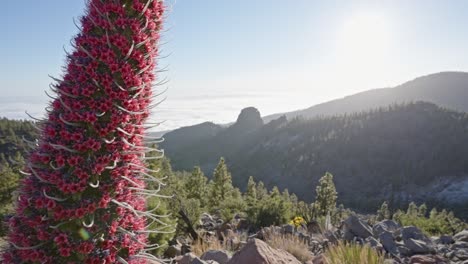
(385, 225)
(355, 226)
(445, 239)
(388, 242)
(373, 243)
(258, 252)
(413, 232)
(220, 256)
(404, 251)
(320, 259)
(459, 245)
(418, 246)
(425, 259)
(461, 236)
(189, 258)
(462, 254)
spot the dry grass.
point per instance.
(352, 253)
(200, 246)
(290, 243)
(230, 244)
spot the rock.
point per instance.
(388, 243)
(462, 254)
(413, 232)
(249, 119)
(385, 225)
(208, 222)
(404, 251)
(220, 256)
(318, 259)
(373, 243)
(418, 246)
(461, 236)
(173, 251)
(258, 252)
(355, 226)
(445, 239)
(458, 245)
(287, 229)
(189, 258)
(421, 259)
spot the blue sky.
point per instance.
(226, 55)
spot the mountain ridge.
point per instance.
(423, 88)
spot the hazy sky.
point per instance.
(226, 55)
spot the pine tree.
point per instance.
(261, 191)
(412, 209)
(251, 192)
(196, 186)
(433, 214)
(83, 200)
(422, 210)
(222, 184)
(383, 212)
(325, 200)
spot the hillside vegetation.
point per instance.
(398, 153)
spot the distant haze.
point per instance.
(223, 56)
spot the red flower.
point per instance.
(65, 252)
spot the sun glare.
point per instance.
(364, 37)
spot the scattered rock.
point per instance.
(421, 259)
(189, 258)
(459, 245)
(220, 256)
(356, 227)
(258, 252)
(403, 250)
(385, 225)
(414, 233)
(388, 242)
(461, 236)
(462, 254)
(374, 243)
(445, 239)
(418, 246)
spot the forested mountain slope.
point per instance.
(415, 151)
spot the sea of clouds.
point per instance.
(176, 110)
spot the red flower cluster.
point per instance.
(75, 205)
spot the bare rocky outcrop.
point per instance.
(259, 252)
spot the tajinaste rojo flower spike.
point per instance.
(83, 196)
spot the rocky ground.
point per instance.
(399, 244)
